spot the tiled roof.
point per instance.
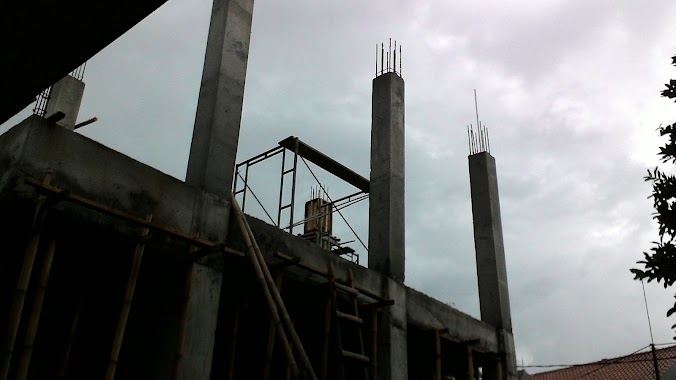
(632, 367)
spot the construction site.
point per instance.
(114, 270)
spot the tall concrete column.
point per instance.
(386, 199)
(490, 255)
(219, 108)
(65, 96)
(386, 220)
(211, 165)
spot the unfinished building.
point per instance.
(112, 269)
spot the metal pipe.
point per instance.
(85, 123)
(293, 184)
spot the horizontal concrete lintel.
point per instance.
(90, 170)
(428, 313)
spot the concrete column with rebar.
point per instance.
(386, 200)
(386, 220)
(66, 96)
(490, 253)
(219, 107)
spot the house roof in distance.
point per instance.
(637, 366)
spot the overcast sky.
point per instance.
(568, 89)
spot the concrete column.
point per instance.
(219, 107)
(392, 334)
(386, 199)
(202, 317)
(490, 254)
(66, 96)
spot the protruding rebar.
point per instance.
(395, 56)
(400, 72)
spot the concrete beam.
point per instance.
(36, 146)
(66, 96)
(219, 107)
(386, 199)
(428, 313)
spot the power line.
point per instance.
(650, 327)
(605, 362)
(595, 363)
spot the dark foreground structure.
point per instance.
(112, 269)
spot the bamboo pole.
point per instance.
(264, 285)
(269, 350)
(22, 287)
(69, 340)
(277, 297)
(34, 319)
(470, 363)
(328, 313)
(126, 304)
(374, 343)
(233, 341)
(437, 352)
(183, 321)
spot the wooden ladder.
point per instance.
(348, 349)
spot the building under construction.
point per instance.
(112, 269)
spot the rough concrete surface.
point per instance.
(219, 108)
(66, 96)
(91, 170)
(488, 241)
(386, 198)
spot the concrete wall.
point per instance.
(431, 314)
(421, 310)
(91, 170)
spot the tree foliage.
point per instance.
(660, 263)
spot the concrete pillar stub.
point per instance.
(386, 199)
(219, 108)
(392, 334)
(66, 96)
(202, 317)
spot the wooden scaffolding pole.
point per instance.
(22, 287)
(183, 319)
(126, 304)
(437, 351)
(241, 221)
(328, 311)
(36, 310)
(69, 340)
(286, 319)
(233, 345)
(470, 363)
(272, 333)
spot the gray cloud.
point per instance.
(569, 90)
